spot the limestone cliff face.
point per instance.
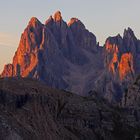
(26, 55)
(8, 70)
(126, 66)
(67, 56)
(118, 60)
(48, 51)
(121, 65)
(82, 36)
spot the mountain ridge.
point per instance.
(68, 56)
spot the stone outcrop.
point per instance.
(67, 56)
(121, 66)
(8, 70)
(131, 103)
(132, 95)
(126, 66)
(54, 52)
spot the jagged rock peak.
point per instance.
(128, 33)
(57, 16)
(49, 20)
(75, 21)
(34, 22)
(72, 20)
(114, 39)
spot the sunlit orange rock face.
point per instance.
(48, 51)
(120, 66)
(112, 57)
(67, 56)
(26, 54)
(119, 60)
(72, 21)
(8, 70)
(126, 66)
(123, 65)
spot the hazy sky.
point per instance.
(102, 17)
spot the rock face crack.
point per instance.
(60, 107)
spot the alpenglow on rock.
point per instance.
(67, 56)
(56, 53)
(121, 55)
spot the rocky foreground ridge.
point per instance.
(68, 56)
(31, 110)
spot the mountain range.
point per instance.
(62, 85)
(67, 56)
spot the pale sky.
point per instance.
(102, 17)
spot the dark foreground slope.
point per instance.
(30, 110)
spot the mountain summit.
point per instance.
(121, 55)
(68, 56)
(57, 16)
(56, 53)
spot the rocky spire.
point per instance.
(72, 20)
(50, 20)
(34, 22)
(128, 33)
(44, 48)
(76, 23)
(130, 41)
(57, 16)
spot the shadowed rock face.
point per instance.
(131, 98)
(31, 110)
(57, 16)
(55, 52)
(67, 56)
(119, 59)
(121, 65)
(131, 102)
